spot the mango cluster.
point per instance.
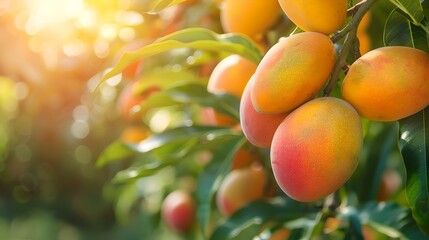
(315, 142)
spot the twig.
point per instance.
(350, 33)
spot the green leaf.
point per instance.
(414, 146)
(412, 8)
(248, 221)
(116, 151)
(399, 31)
(196, 38)
(179, 135)
(425, 5)
(195, 94)
(165, 78)
(144, 170)
(159, 5)
(168, 148)
(390, 219)
(209, 179)
(379, 143)
(126, 197)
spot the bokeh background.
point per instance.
(52, 124)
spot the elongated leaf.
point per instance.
(141, 171)
(166, 78)
(177, 135)
(194, 94)
(209, 179)
(248, 221)
(412, 8)
(399, 31)
(414, 146)
(159, 5)
(116, 151)
(148, 164)
(168, 148)
(196, 38)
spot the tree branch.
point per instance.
(350, 33)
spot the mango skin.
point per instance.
(389, 83)
(292, 72)
(315, 150)
(178, 211)
(258, 128)
(229, 76)
(316, 15)
(240, 187)
(250, 17)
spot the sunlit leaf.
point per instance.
(195, 94)
(168, 148)
(159, 5)
(142, 170)
(414, 146)
(209, 179)
(165, 78)
(116, 151)
(181, 134)
(195, 38)
(399, 31)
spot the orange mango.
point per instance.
(315, 150)
(229, 76)
(389, 83)
(259, 128)
(250, 17)
(292, 72)
(240, 187)
(316, 16)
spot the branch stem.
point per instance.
(349, 32)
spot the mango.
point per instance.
(250, 17)
(315, 150)
(229, 76)
(178, 211)
(258, 128)
(362, 34)
(292, 72)
(240, 187)
(244, 158)
(389, 83)
(317, 15)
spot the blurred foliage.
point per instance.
(69, 171)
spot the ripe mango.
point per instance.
(292, 72)
(240, 187)
(258, 128)
(389, 83)
(229, 76)
(250, 17)
(315, 150)
(317, 15)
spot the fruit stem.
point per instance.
(350, 33)
(352, 11)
